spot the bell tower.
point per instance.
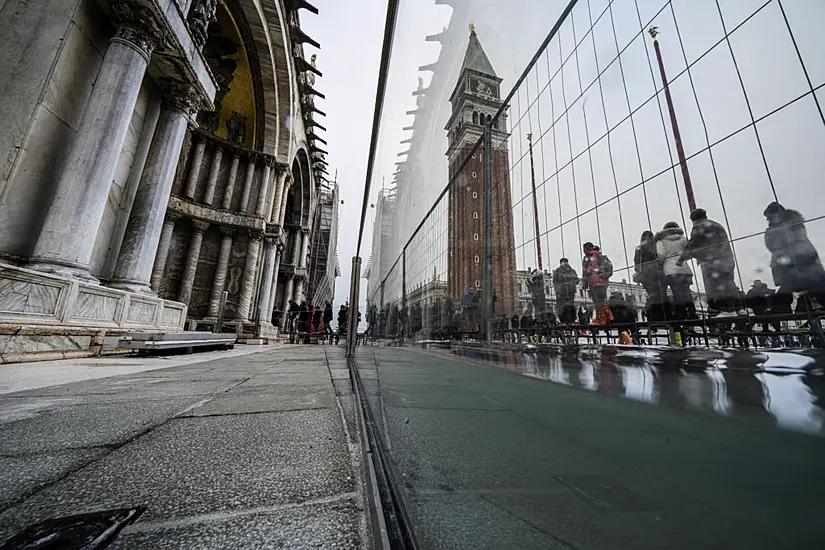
(475, 100)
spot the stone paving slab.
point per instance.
(24, 474)
(317, 525)
(235, 452)
(86, 425)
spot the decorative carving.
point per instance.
(138, 27)
(173, 216)
(310, 76)
(201, 14)
(254, 234)
(140, 36)
(228, 231)
(236, 128)
(181, 96)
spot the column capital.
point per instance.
(138, 27)
(306, 231)
(200, 226)
(269, 160)
(254, 234)
(228, 231)
(251, 156)
(180, 96)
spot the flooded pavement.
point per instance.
(782, 388)
(601, 449)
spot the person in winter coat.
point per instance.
(649, 274)
(670, 244)
(759, 298)
(328, 317)
(596, 272)
(565, 281)
(795, 262)
(710, 246)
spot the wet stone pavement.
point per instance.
(545, 451)
(254, 451)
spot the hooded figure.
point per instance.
(710, 246)
(670, 244)
(648, 271)
(795, 263)
(596, 272)
(565, 281)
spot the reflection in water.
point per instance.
(738, 385)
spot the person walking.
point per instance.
(596, 272)
(795, 262)
(648, 272)
(565, 281)
(710, 246)
(293, 312)
(327, 317)
(670, 244)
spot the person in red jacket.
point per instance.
(596, 272)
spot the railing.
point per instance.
(226, 176)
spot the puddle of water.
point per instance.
(772, 387)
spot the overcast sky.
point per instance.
(569, 109)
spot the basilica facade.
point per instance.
(159, 162)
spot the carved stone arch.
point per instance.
(263, 26)
(305, 189)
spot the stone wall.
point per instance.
(52, 51)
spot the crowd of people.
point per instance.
(305, 318)
(661, 267)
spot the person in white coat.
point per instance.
(670, 243)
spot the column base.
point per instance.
(75, 272)
(133, 286)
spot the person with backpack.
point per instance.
(596, 272)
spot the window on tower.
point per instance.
(477, 259)
(475, 117)
(475, 215)
(475, 236)
(475, 195)
(478, 283)
(474, 175)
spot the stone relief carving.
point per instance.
(201, 14)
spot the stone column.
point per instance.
(298, 244)
(212, 182)
(230, 184)
(287, 297)
(163, 250)
(270, 258)
(69, 230)
(248, 278)
(299, 288)
(263, 193)
(302, 260)
(220, 271)
(194, 167)
(251, 160)
(280, 180)
(284, 197)
(133, 270)
(191, 266)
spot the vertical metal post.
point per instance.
(404, 313)
(677, 137)
(352, 322)
(535, 203)
(382, 326)
(487, 242)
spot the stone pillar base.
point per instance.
(29, 297)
